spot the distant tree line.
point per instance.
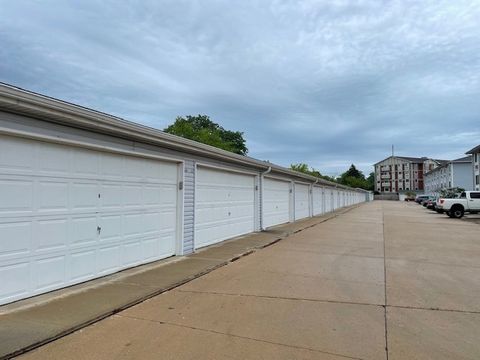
(202, 129)
(352, 177)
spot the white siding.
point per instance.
(189, 207)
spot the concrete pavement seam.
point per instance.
(282, 298)
(433, 309)
(385, 281)
(118, 309)
(238, 336)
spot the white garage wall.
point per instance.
(318, 200)
(71, 214)
(224, 205)
(133, 213)
(276, 201)
(302, 200)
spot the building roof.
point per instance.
(21, 101)
(465, 159)
(476, 149)
(414, 159)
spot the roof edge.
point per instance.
(25, 102)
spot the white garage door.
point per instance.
(224, 205)
(70, 214)
(335, 200)
(317, 200)
(328, 200)
(302, 208)
(276, 202)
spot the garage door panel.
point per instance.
(224, 205)
(53, 230)
(112, 229)
(82, 265)
(53, 159)
(133, 225)
(111, 166)
(21, 232)
(132, 253)
(83, 231)
(84, 196)
(276, 202)
(16, 196)
(17, 154)
(15, 280)
(132, 196)
(50, 234)
(49, 272)
(152, 195)
(111, 195)
(302, 207)
(86, 163)
(52, 195)
(109, 259)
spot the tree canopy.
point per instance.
(304, 168)
(355, 178)
(200, 128)
(352, 177)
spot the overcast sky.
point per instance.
(328, 82)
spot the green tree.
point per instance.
(354, 172)
(200, 128)
(304, 168)
(371, 182)
(355, 178)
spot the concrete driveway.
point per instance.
(385, 280)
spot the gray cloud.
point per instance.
(323, 82)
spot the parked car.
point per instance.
(425, 201)
(431, 204)
(438, 207)
(410, 198)
(420, 198)
(467, 202)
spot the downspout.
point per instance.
(267, 171)
(261, 195)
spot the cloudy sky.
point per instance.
(327, 82)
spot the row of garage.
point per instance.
(84, 195)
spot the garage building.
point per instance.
(85, 194)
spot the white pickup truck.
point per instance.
(468, 201)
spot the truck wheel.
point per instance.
(457, 212)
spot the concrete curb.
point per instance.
(238, 253)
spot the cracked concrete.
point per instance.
(349, 288)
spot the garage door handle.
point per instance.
(99, 229)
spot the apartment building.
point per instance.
(475, 152)
(400, 173)
(455, 173)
